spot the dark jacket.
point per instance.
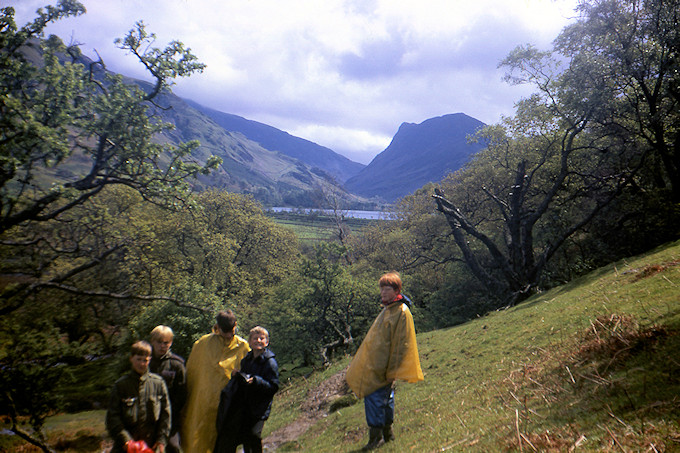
(171, 368)
(242, 404)
(139, 409)
(259, 394)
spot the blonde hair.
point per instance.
(160, 332)
(258, 330)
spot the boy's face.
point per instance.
(387, 294)
(258, 342)
(140, 363)
(161, 346)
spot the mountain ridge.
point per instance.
(277, 168)
(417, 155)
(275, 139)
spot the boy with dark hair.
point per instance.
(209, 369)
(245, 403)
(139, 409)
(388, 352)
(171, 368)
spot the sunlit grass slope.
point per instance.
(590, 366)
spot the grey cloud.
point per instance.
(378, 59)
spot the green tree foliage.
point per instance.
(624, 73)
(222, 253)
(321, 308)
(599, 134)
(67, 133)
(53, 113)
(516, 204)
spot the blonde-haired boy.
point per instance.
(246, 402)
(171, 368)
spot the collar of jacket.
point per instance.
(140, 377)
(266, 354)
(399, 298)
(167, 355)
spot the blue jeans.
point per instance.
(379, 407)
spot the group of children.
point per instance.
(225, 392)
(147, 404)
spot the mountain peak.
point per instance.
(418, 154)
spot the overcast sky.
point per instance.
(342, 73)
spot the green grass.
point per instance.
(311, 229)
(592, 364)
(69, 433)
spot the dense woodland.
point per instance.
(585, 172)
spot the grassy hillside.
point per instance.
(590, 366)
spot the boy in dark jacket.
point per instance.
(170, 367)
(246, 401)
(139, 409)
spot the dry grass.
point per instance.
(616, 376)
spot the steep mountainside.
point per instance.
(419, 154)
(274, 139)
(272, 177)
(280, 169)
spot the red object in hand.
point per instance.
(138, 446)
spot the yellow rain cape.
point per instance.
(389, 352)
(208, 371)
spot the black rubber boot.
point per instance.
(374, 437)
(387, 433)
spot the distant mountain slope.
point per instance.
(312, 154)
(270, 176)
(419, 154)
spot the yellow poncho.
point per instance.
(389, 352)
(209, 369)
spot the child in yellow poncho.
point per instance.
(389, 352)
(212, 359)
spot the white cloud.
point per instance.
(342, 73)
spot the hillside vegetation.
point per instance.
(586, 172)
(589, 366)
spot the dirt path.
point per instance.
(314, 408)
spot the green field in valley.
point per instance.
(314, 228)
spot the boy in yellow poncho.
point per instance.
(389, 352)
(212, 359)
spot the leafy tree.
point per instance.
(539, 181)
(55, 113)
(625, 71)
(600, 132)
(223, 252)
(320, 308)
(68, 131)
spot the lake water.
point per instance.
(356, 214)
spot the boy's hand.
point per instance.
(159, 448)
